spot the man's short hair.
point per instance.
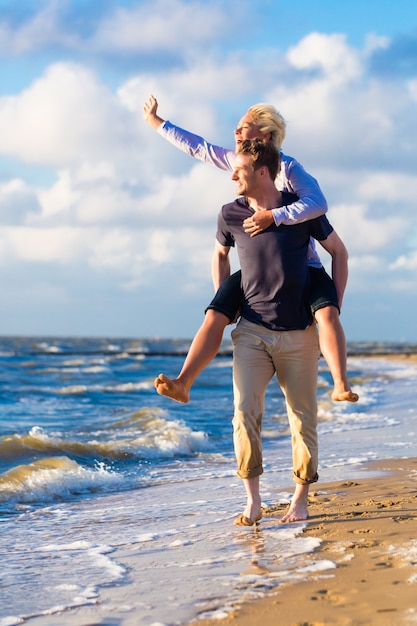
(263, 154)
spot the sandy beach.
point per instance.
(368, 529)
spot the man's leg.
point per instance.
(252, 371)
(296, 363)
(298, 510)
(252, 512)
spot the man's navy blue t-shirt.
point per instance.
(275, 275)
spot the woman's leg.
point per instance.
(222, 310)
(333, 348)
(325, 308)
(203, 349)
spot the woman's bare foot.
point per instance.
(343, 393)
(171, 388)
(298, 510)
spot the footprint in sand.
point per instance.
(331, 598)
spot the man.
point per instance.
(276, 333)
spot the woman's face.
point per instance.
(246, 129)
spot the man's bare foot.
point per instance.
(171, 388)
(343, 393)
(251, 515)
(242, 520)
(298, 510)
(296, 513)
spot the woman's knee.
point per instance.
(327, 315)
(215, 319)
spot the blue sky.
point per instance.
(108, 230)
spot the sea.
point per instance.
(115, 498)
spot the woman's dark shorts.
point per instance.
(322, 290)
(228, 298)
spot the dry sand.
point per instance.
(368, 528)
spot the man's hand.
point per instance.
(150, 114)
(258, 222)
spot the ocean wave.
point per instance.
(143, 435)
(49, 478)
(129, 387)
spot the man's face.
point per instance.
(245, 177)
(246, 129)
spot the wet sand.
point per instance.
(368, 529)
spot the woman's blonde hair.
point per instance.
(267, 118)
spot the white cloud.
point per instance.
(18, 203)
(96, 196)
(405, 262)
(60, 197)
(339, 113)
(159, 26)
(412, 89)
(193, 198)
(129, 257)
(124, 29)
(38, 31)
(374, 43)
(189, 95)
(365, 269)
(65, 116)
(365, 263)
(394, 188)
(112, 249)
(65, 244)
(328, 53)
(364, 233)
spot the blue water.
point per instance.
(102, 479)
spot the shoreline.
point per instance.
(389, 356)
(367, 531)
(367, 528)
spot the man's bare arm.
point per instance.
(220, 264)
